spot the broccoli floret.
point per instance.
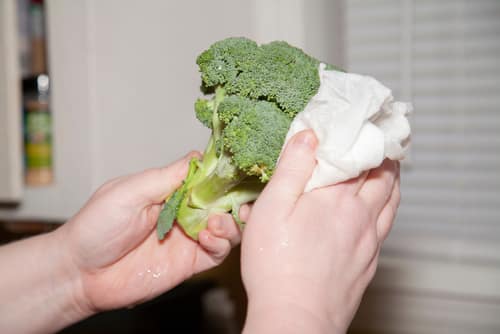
(204, 110)
(232, 106)
(223, 61)
(257, 91)
(255, 138)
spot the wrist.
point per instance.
(69, 289)
(288, 308)
(283, 316)
(40, 285)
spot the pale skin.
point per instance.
(306, 258)
(107, 256)
(314, 252)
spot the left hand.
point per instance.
(112, 244)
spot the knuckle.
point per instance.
(223, 252)
(152, 173)
(370, 208)
(388, 181)
(397, 199)
(384, 231)
(355, 205)
(107, 186)
(372, 269)
(164, 173)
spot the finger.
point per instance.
(245, 210)
(223, 226)
(377, 188)
(153, 212)
(352, 186)
(388, 214)
(217, 248)
(338, 192)
(154, 185)
(293, 171)
(369, 274)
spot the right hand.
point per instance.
(307, 258)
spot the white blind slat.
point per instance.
(452, 186)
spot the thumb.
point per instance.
(155, 184)
(294, 170)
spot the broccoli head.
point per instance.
(254, 92)
(276, 72)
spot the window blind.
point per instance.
(444, 57)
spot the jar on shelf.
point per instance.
(37, 131)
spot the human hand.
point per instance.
(112, 244)
(310, 256)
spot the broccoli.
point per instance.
(256, 91)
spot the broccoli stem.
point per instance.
(194, 218)
(215, 185)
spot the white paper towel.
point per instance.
(358, 124)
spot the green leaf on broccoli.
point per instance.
(168, 214)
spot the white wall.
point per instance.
(146, 79)
(124, 81)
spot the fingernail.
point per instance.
(306, 138)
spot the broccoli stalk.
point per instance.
(257, 91)
(213, 185)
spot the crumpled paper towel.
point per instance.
(358, 124)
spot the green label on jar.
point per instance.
(38, 139)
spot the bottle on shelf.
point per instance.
(37, 36)
(37, 131)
